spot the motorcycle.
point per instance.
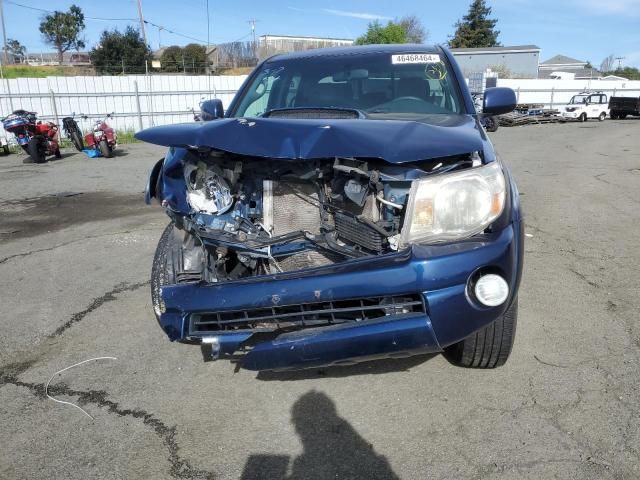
(37, 138)
(73, 132)
(102, 138)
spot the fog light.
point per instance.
(491, 290)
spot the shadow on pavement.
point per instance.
(375, 367)
(331, 448)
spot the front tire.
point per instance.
(105, 149)
(36, 152)
(489, 347)
(162, 271)
(583, 117)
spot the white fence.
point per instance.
(141, 101)
(138, 101)
(554, 93)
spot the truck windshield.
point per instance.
(381, 84)
(578, 99)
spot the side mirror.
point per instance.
(211, 109)
(498, 100)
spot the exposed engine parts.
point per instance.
(254, 216)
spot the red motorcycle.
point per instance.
(37, 138)
(102, 138)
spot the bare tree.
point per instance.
(414, 29)
(607, 64)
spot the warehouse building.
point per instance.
(510, 62)
(272, 44)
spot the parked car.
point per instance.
(585, 106)
(348, 206)
(621, 107)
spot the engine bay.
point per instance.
(253, 216)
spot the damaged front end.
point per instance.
(300, 262)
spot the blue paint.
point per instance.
(439, 273)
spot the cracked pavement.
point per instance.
(75, 286)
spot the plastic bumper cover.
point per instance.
(439, 273)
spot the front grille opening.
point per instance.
(305, 315)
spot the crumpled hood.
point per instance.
(395, 141)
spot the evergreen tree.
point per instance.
(476, 29)
(377, 33)
(116, 48)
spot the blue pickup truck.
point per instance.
(347, 206)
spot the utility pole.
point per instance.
(617, 58)
(4, 33)
(144, 33)
(253, 21)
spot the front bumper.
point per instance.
(570, 114)
(438, 274)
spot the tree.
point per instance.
(608, 63)
(195, 57)
(115, 49)
(171, 59)
(476, 29)
(630, 73)
(191, 58)
(414, 30)
(16, 50)
(63, 29)
(392, 32)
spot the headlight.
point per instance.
(455, 205)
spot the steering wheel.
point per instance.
(408, 98)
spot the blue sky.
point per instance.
(584, 29)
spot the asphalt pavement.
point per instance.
(76, 244)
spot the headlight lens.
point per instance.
(455, 205)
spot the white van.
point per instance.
(586, 105)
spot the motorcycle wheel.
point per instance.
(36, 151)
(76, 139)
(57, 153)
(105, 149)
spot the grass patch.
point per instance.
(124, 137)
(127, 136)
(28, 71)
(20, 71)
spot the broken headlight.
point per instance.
(207, 190)
(454, 205)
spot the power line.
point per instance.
(174, 32)
(53, 11)
(148, 22)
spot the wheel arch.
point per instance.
(154, 187)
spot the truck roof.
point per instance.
(358, 50)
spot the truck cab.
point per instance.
(586, 105)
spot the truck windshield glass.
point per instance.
(380, 84)
(578, 99)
